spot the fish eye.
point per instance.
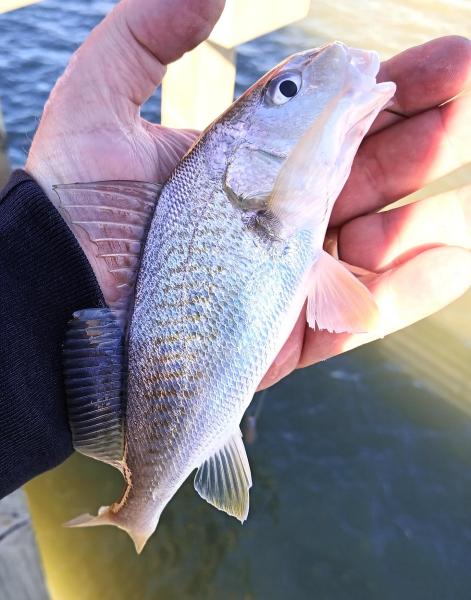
(283, 87)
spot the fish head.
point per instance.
(310, 84)
(299, 128)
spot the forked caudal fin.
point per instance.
(107, 516)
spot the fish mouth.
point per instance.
(384, 98)
(366, 62)
(370, 97)
(361, 93)
(363, 68)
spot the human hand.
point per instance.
(91, 128)
(419, 254)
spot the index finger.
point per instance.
(426, 76)
(401, 157)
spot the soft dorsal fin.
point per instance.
(337, 300)
(224, 479)
(115, 216)
(93, 360)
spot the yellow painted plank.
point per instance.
(7, 5)
(198, 87)
(244, 20)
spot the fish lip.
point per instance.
(367, 62)
(365, 117)
(359, 122)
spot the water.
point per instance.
(362, 464)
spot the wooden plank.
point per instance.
(7, 5)
(21, 574)
(200, 86)
(245, 20)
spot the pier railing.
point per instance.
(212, 65)
(7, 5)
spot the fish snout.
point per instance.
(365, 61)
(335, 53)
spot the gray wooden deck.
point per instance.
(21, 576)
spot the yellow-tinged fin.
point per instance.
(224, 479)
(106, 516)
(337, 300)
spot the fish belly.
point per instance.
(214, 303)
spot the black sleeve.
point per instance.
(44, 278)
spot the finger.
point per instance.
(124, 58)
(405, 294)
(426, 76)
(379, 241)
(402, 158)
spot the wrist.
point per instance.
(47, 177)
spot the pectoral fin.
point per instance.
(224, 479)
(93, 359)
(337, 300)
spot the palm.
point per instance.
(108, 151)
(92, 130)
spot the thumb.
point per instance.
(124, 58)
(91, 127)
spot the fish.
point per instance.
(210, 282)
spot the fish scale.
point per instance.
(219, 338)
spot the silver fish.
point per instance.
(233, 250)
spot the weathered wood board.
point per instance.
(21, 576)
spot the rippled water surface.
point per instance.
(362, 464)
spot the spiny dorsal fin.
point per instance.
(94, 381)
(115, 216)
(224, 479)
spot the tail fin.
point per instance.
(106, 516)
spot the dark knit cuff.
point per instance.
(44, 278)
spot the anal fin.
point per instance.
(224, 479)
(93, 361)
